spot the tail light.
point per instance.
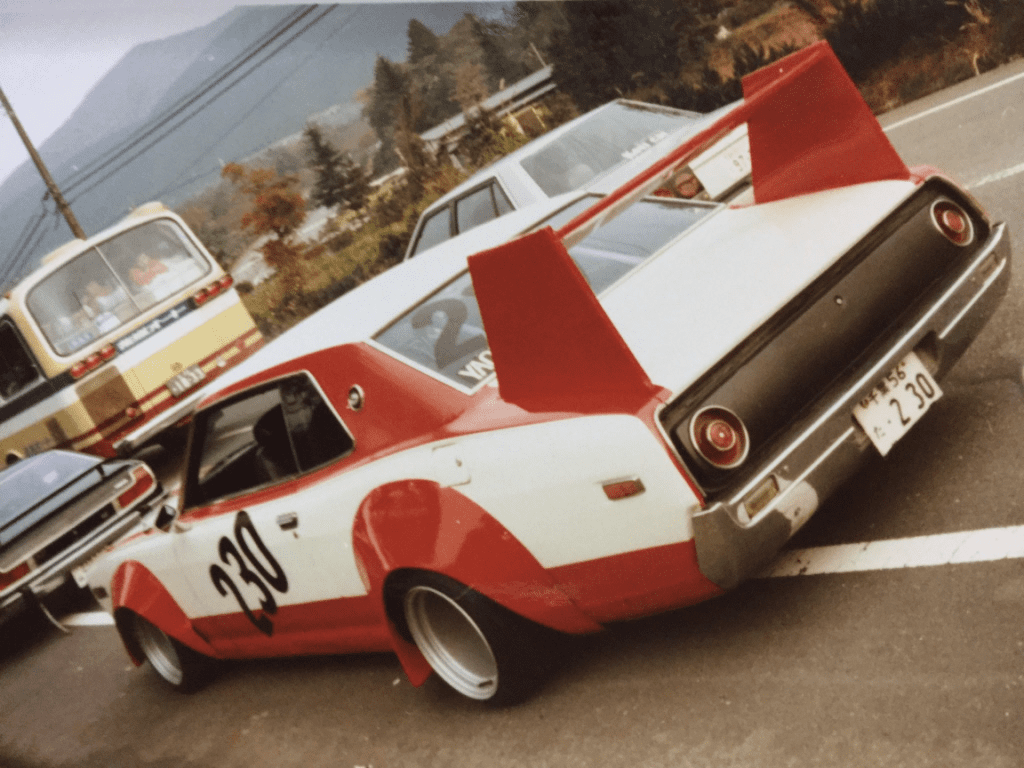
(142, 481)
(720, 437)
(953, 222)
(206, 293)
(93, 361)
(14, 574)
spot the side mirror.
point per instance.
(165, 517)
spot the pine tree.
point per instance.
(340, 181)
(423, 42)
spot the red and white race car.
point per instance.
(626, 409)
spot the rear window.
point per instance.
(29, 481)
(608, 138)
(444, 333)
(111, 284)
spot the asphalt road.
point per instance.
(866, 664)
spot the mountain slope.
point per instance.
(163, 120)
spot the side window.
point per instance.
(474, 209)
(265, 436)
(435, 230)
(316, 434)
(18, 370)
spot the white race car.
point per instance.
(627, 405)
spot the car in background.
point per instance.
(626, 405)
(616, 139)
(58, 509)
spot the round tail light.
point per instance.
(719, 436)
(953, 222)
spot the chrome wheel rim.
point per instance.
(160, 651)
(451, 642)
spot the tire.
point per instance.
(479, 648)
(180, 667)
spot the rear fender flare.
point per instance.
(136, 591)
(411, 525)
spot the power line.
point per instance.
(175, 185)
(197, 110)
(153, 123)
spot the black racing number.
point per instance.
(273, 574)
(259, 575)
(447, 348)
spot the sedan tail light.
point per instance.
(953, 222)
(720, 437)
(142, 481)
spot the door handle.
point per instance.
(288, 521)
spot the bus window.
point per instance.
(111, 284)
(17, 370)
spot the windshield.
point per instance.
(445, 334)
(606, 139)
(112, 283)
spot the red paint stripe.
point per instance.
(635, 584)
(340, 625)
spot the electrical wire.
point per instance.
(156, 121)
(175, 126)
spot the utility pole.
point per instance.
(58, 198)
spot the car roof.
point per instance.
(369, 307)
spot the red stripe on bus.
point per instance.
(120, 425)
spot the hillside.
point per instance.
(159, 125)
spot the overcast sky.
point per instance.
(52, 52)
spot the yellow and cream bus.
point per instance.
(113, 338)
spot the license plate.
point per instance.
(185, 380)
(897, 402)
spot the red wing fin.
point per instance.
(816, 133)
(809, 130)
(553, 346)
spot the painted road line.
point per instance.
(914, 552)
(954, 102)
(90, 619)
(997, 176)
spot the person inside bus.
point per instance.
(146, 269)
(101, 303)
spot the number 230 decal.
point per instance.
(263, 572)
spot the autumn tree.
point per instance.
(340, 181)
(276, 209)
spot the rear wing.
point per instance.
(809, 131)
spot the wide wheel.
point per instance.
(479, 648)
(180, 666)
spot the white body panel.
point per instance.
(680, 311)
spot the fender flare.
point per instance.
(135, 590)
(411, 525)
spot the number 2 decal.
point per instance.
(447, 348)
(263, 572)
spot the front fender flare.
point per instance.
(134, 589)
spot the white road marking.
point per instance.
(954, 102)
(90, 619)
(915, 552)
(997, 176)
